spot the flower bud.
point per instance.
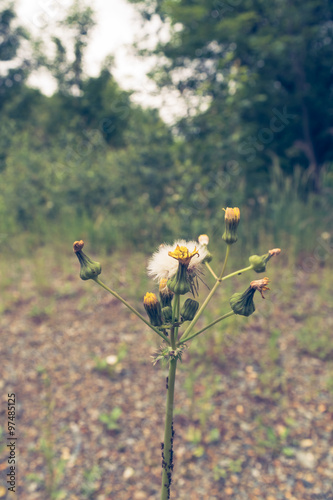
(259, 262)
(189, 309)
(153, 309)
(89, 268)
(204, 240)
(179, 283)
(242, 303)
(167, 314)
(166, 294)
(232, 217)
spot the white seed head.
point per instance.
(162, 266)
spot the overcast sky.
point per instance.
(118, 26)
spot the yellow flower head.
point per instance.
(183, 255)
(150, 299)
(164, 263)
(166, 295)
(231, 218)
(232, 215)
(163, 285)
(153, 309)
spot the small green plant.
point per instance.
(90, 481)
(111, 420)
(227, 467)
(111, 363)
(178, 268)
(270, 379)
(55, 466)
(273, 439)
(319, 345)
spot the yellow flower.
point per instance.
(183, 255)
(150, 299)
(163, 266)
(231, 217)
(153, 309)
(232, 214)
(166, 295)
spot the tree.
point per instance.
(67, 68)
(266, 68)
(16, 70)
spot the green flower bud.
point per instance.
(89, 268)
(232, 217)
(189, 309)
(153, 309)
(166, 295)
(167, 314)
(259, 262)
(204, 240)
(242, 303)
(179, 283)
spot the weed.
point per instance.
(90, 484)
(111, 420)
(320, 344)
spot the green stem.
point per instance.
(175, 319)
(206, 301)
(211, 270)
(237, 273)
(227, 315)
(115, 294)
(225, 261)
(167, 451)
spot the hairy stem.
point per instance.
(167, 447)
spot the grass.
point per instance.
(301, 288)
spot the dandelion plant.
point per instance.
(173, 314)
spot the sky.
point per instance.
(118, 27)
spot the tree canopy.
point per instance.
(266, 68)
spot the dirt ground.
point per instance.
(239, 435)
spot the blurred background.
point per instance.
(131, 123)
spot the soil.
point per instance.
(258, 426)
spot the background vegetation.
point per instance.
(88, 162)
(254, 407)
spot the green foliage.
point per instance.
(88, 162)
(90, 481)
(103, 365)
(264, 69)
(111, 420)
(320, 343)
(272, 441)
(227, 467)
(11, 38)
